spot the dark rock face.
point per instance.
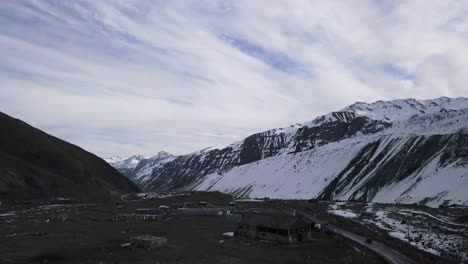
(411, 155)
(34, 164)
(347, 125)
(457, 151)
(186, 170)
(260, 146)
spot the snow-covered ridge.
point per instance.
(399, 151)
(401, 109)
(400, 112)
(387, 111)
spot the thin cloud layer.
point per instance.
(129, 77)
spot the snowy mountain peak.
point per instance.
(162, 155)
(128, 163)
(138, 168)
(400, 109)
(113, 159)
(384, 112)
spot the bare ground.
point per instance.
(30, 233)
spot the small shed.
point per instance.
(276, 227)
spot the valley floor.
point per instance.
(32, 233)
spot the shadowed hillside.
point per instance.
(34, 164)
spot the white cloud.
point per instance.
(128, 77)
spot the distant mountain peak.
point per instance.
(162, 154)
(127, 163)
(113, 159)
(138, 168)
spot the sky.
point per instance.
(126, 77)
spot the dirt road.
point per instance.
(390, 255)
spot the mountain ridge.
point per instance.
(371, 146)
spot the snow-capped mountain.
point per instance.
(128, 163)
(403, 151)
(113, 159)
(139, 168)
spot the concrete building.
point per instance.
(277, 227)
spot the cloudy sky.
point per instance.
(128, 77)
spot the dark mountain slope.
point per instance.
(34, 164)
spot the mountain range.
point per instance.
(139, 168)
(399, 151)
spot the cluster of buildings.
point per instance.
(274, 226)
(186, 208)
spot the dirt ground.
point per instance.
(41, 234)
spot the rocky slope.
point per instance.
(403, 151)
(34, 164)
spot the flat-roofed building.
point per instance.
(277, 227)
